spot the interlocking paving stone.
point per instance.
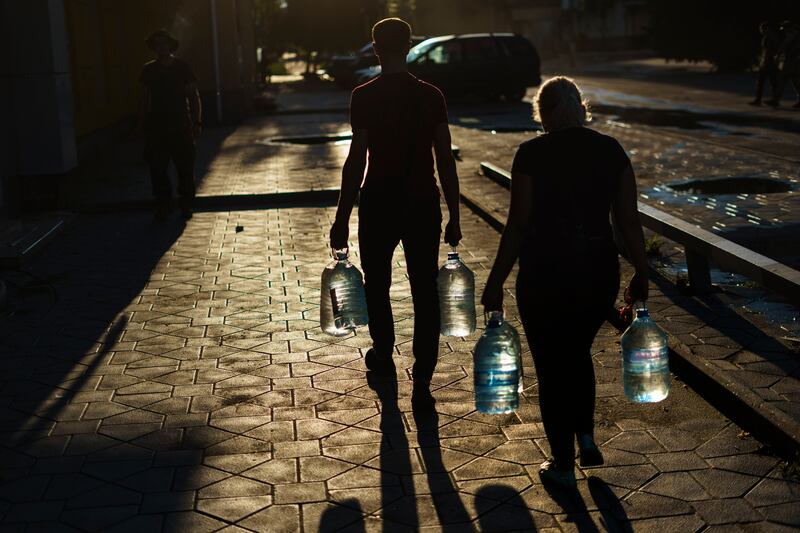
(212, 400)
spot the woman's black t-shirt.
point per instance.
(576, 173)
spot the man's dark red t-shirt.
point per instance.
(400, 114)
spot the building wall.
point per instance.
(107, 52)
(37, 127)
(443, 17)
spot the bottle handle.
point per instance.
(346, 250)
(488, 313)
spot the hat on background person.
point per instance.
(162, 34)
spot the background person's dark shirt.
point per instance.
(576, 173)
(400, 114)
(167, 85)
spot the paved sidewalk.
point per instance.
(176, 379)
(171, 377)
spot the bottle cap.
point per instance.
(452, 255)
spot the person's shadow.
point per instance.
(612, 514)
(400, 514)
(399, 508)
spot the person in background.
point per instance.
(565, 184)
(170, 117)
(789, 60)
(768, 60)
(399, 120)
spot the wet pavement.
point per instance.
(174, 377)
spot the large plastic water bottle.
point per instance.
(456, 297)
(645, 360)
(497, 367)
(343, 303)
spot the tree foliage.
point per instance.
(724, 32)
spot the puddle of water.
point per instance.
(732, 185)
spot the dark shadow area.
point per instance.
(511, 515)
(571, 502)
(120, 173)
(399, 503)
(613, 514)
(340, 517)
(450, 509)
(55, 357)
(400, 510)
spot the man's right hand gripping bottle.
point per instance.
(343, 303)
(456, 284)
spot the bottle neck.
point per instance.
(340, 255)
(495, 319)
(452, 256)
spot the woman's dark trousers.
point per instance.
(562, 309)
(384, 221)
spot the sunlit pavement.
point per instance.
(162, 377)
(194, 389)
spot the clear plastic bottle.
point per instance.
(497, 367)
(343, 303)
(645, 359)
(456, 297)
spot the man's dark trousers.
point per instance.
(170, 141)
(385, 220)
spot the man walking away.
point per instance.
(170, 115)
(396, 118)
(790, 65)
(768, 61)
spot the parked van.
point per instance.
(483, 64)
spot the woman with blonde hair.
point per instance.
(565, 185)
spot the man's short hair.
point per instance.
(391, 36)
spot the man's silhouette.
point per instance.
(169, 115)
(396, 119)
(768, 60)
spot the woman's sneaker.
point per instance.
(550, 472)
(588, 452)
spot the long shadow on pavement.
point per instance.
(58, 382)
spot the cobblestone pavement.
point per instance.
(660, 158)
(165, 378)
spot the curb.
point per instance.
(732, 398)
(232, 202)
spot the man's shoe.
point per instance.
(549, 472)
(589, 454)
(381, 365)
(422, 401)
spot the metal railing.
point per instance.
(703, 247)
